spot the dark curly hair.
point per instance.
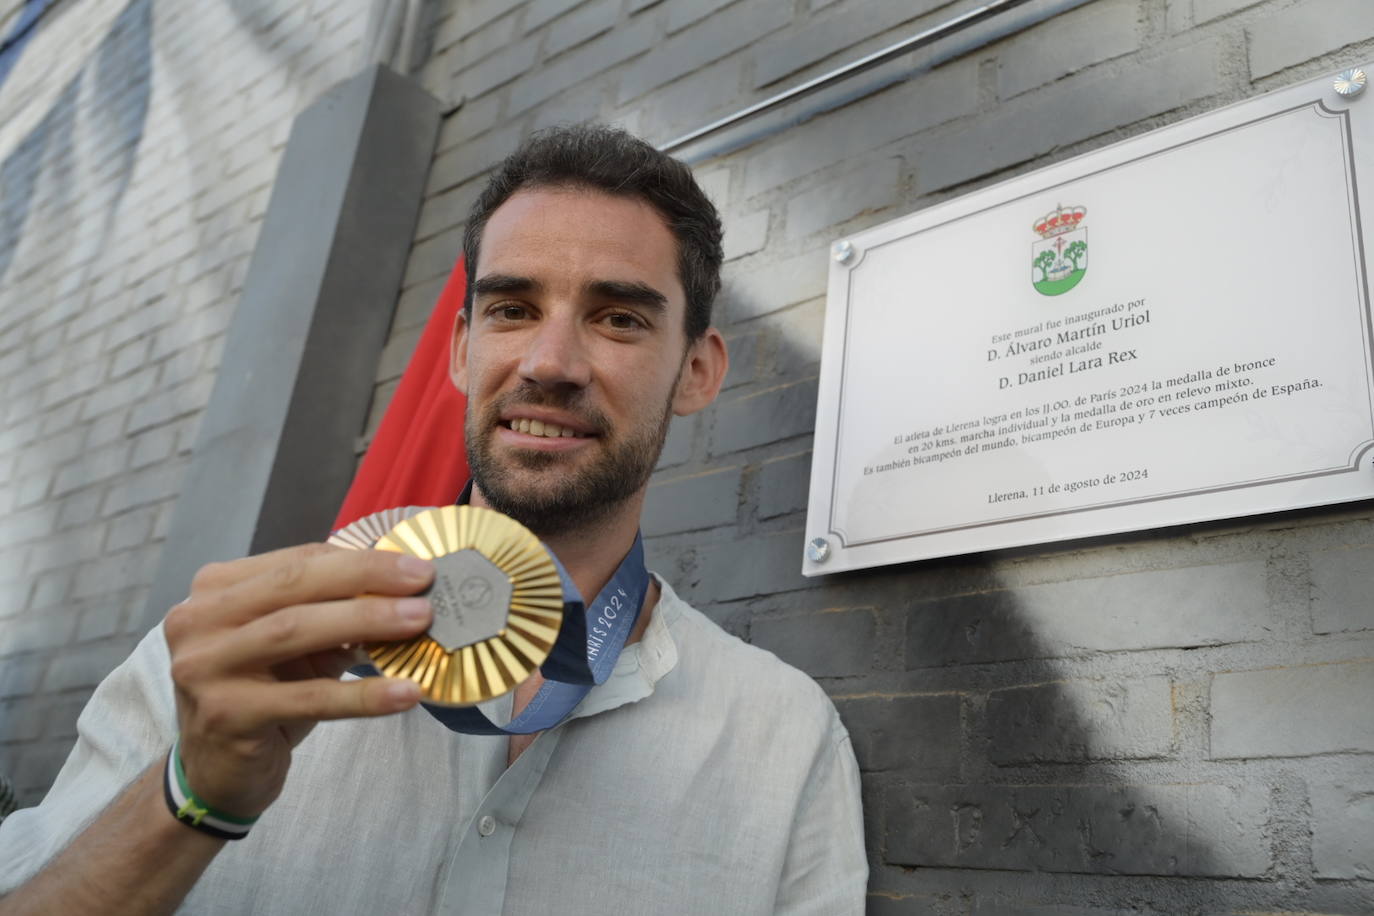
(608, 159)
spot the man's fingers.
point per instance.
(215, 576)
(299, 576)
(368, 696)
(331, 663)
(254, 705)
(301, 630)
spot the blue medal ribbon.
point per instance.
(584, 654)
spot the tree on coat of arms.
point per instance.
(1060, 260)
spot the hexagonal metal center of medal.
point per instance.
(470, 597)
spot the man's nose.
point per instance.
(557, 355)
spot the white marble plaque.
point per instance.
(1172, 329)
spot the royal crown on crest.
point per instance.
(1060, 220)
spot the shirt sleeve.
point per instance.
(826, 869)
(129, 723)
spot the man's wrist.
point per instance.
(193, 811)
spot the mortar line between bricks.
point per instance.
(879, 695)
(697, 474)
(763, 391)
(801, 615)
(1364, 660)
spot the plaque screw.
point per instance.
(1350, 83)
(818, 549)
(842, 251)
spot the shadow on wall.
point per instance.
(85, 146)
(1063, 771)
(292, 49)
(1031, 728)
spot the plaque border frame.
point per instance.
(1365, 313)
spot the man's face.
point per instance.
(572, 355)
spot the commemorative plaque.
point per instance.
(1172, 329)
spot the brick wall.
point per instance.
(1168, 722)
(134, 171)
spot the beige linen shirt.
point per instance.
(704, 777)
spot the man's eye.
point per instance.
(623, 321)
(509, 312)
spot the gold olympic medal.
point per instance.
(497, 600)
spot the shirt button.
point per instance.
(487, 825)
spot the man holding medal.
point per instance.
(692, 774)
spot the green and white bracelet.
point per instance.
(193, 811)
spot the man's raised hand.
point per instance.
(257, 650)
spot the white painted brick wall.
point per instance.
(118, 276)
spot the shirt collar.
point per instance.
(642, 665)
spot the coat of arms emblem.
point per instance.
(1060, 259)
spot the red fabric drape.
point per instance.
(417, 457)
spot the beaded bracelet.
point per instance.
(193, 811)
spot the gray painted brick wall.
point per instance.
(1168, 722)
(836, 642)
(1342, 822)
(1342, 582)
(1119, 830)
(1294, 712)
(1074, 730)
(1067, 721)
(705, 500)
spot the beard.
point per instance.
(550, 504)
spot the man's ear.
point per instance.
(703, 372)
(458, 352)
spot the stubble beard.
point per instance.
(584, 496)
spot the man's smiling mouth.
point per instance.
(541, 428)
